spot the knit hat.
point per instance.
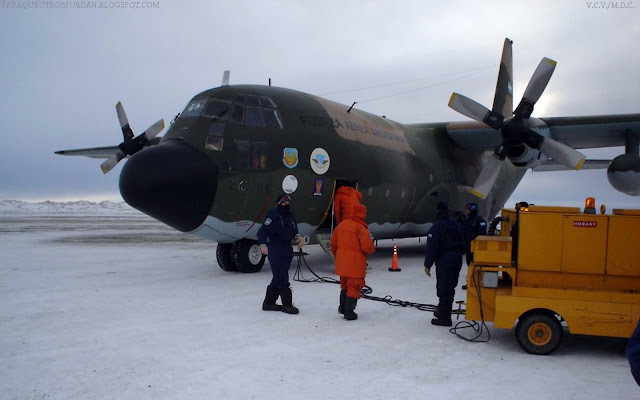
(283, 198)
(442, 207)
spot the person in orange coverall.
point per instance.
(351, 242)
(345, 198)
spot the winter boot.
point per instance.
(287, 301)
(437, 312)
(442, 315)
(343, 296)
(349, 306)
(441, 322)
(269, 303)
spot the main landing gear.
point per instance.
(243, 256)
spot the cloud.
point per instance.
(64, 70)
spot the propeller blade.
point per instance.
(468, 107)
(476, 111)
(536, 86)
(124, 122)
(562, 153)
(539, 80)
(154, 129)
(112, 161)
(487, 177)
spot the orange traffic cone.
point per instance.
(394, 260)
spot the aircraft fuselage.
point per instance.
(234, 149)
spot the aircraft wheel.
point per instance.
(539, 333)
(247, 256)
(223, 255)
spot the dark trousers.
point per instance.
(448, 266)
(280, 258)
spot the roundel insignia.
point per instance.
(319, 161)
(289, 184)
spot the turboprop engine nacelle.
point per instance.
(624, 174)
(525, 157)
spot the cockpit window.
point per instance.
(237, 113)
(272, 118)
(253, 100)
(194, 108)
(217, 109)
(267, 102)
(254, 116)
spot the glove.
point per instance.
(299, 241)
(427, 271)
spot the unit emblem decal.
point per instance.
(289, 184)
(319, 161)
(290, 157)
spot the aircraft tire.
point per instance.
(223, 255)
(247, 256)
(539, 333)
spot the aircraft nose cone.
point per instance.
(172, 182)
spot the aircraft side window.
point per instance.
(214, 143)
(242, 155)
(215, 139)
(241, 98)
(267, 102)
(237, 113)
(254, 116)
(259, 155)
(218, 109)
(272, 118)
(194, 108)
(253, 100)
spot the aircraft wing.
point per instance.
(93, 152)
(594, 130)
(551, 165)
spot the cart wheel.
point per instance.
(539, 333)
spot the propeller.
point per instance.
(516, 131)
(131, 144)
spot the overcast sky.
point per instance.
(63, 70)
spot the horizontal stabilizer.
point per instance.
(551, 165)
(100, 152)
(93, 152)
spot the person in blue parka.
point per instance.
(445, 244)
(275, 235)
(474, 225)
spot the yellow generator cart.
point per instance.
(580, 269)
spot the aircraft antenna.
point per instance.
(354, 103)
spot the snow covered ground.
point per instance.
(113, 305)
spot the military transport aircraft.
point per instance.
(226, 158)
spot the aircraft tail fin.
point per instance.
(225, 78)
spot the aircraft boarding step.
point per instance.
(324, 240)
